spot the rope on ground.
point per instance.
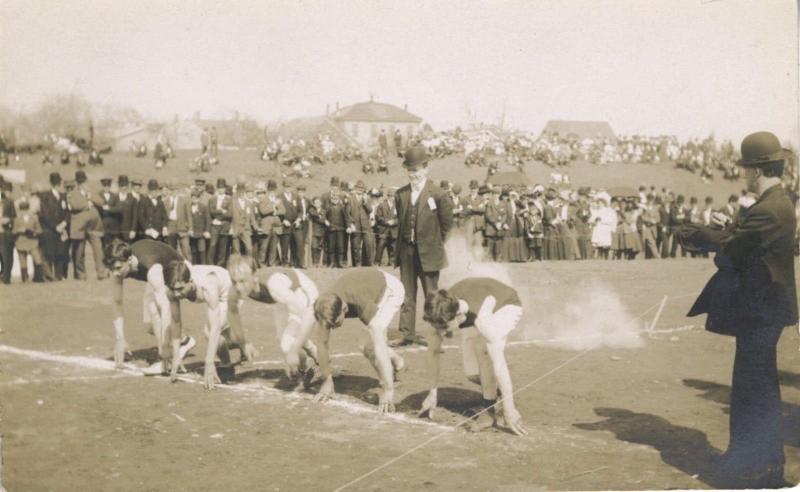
(437, 436)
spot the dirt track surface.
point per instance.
(613, 418)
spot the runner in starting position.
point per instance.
(287, 287)
(209, 284)
(374, 297)
(144, 261)
(486, 311)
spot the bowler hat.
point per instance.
(122, 180)
(105, 181)
(221, 183)
(136, 182)
(761, 148)
(80, 176)
(55, 179)
(473, 184)
(456, 189)
(416, 156)
(272, 185)
(335, 181)
(484, 190)
(444, 185)
(152, 184)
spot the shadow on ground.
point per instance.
(684, 448)
(790, 413)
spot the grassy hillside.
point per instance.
(234, 163)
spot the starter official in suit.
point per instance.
(752, 297)
(425, 217)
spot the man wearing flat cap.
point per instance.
(425, 217)
(752, 297)
(53, 216)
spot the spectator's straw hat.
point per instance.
(261, 187)
(761, 148)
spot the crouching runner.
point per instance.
(285, 287)
(486, 311)
(374, 297)
(211, 285)
(144, 261)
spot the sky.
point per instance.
(683, 67)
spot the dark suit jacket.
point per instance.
(433, 226)
(222, 214)
(128, 210)
(52, 210)
(10, 212)
(111, 217)
(358, 215)
(151, 216)
(755, 283)
(291, 211)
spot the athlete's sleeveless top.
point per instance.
(262, 294)
(475, 290)
(148, 253)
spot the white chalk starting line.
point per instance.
(132, 371)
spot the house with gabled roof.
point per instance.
(364, 121)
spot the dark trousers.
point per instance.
(675, 245)
(756, 440)
(385, 243)
(284, 240)
(198, 247)
(218, 248)
(410, 273)
(55, 255)
(666, 242)
(337, 254)
(368, 249)
(7, 255)
(299, 247)
(356, 248)
(317, 249)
